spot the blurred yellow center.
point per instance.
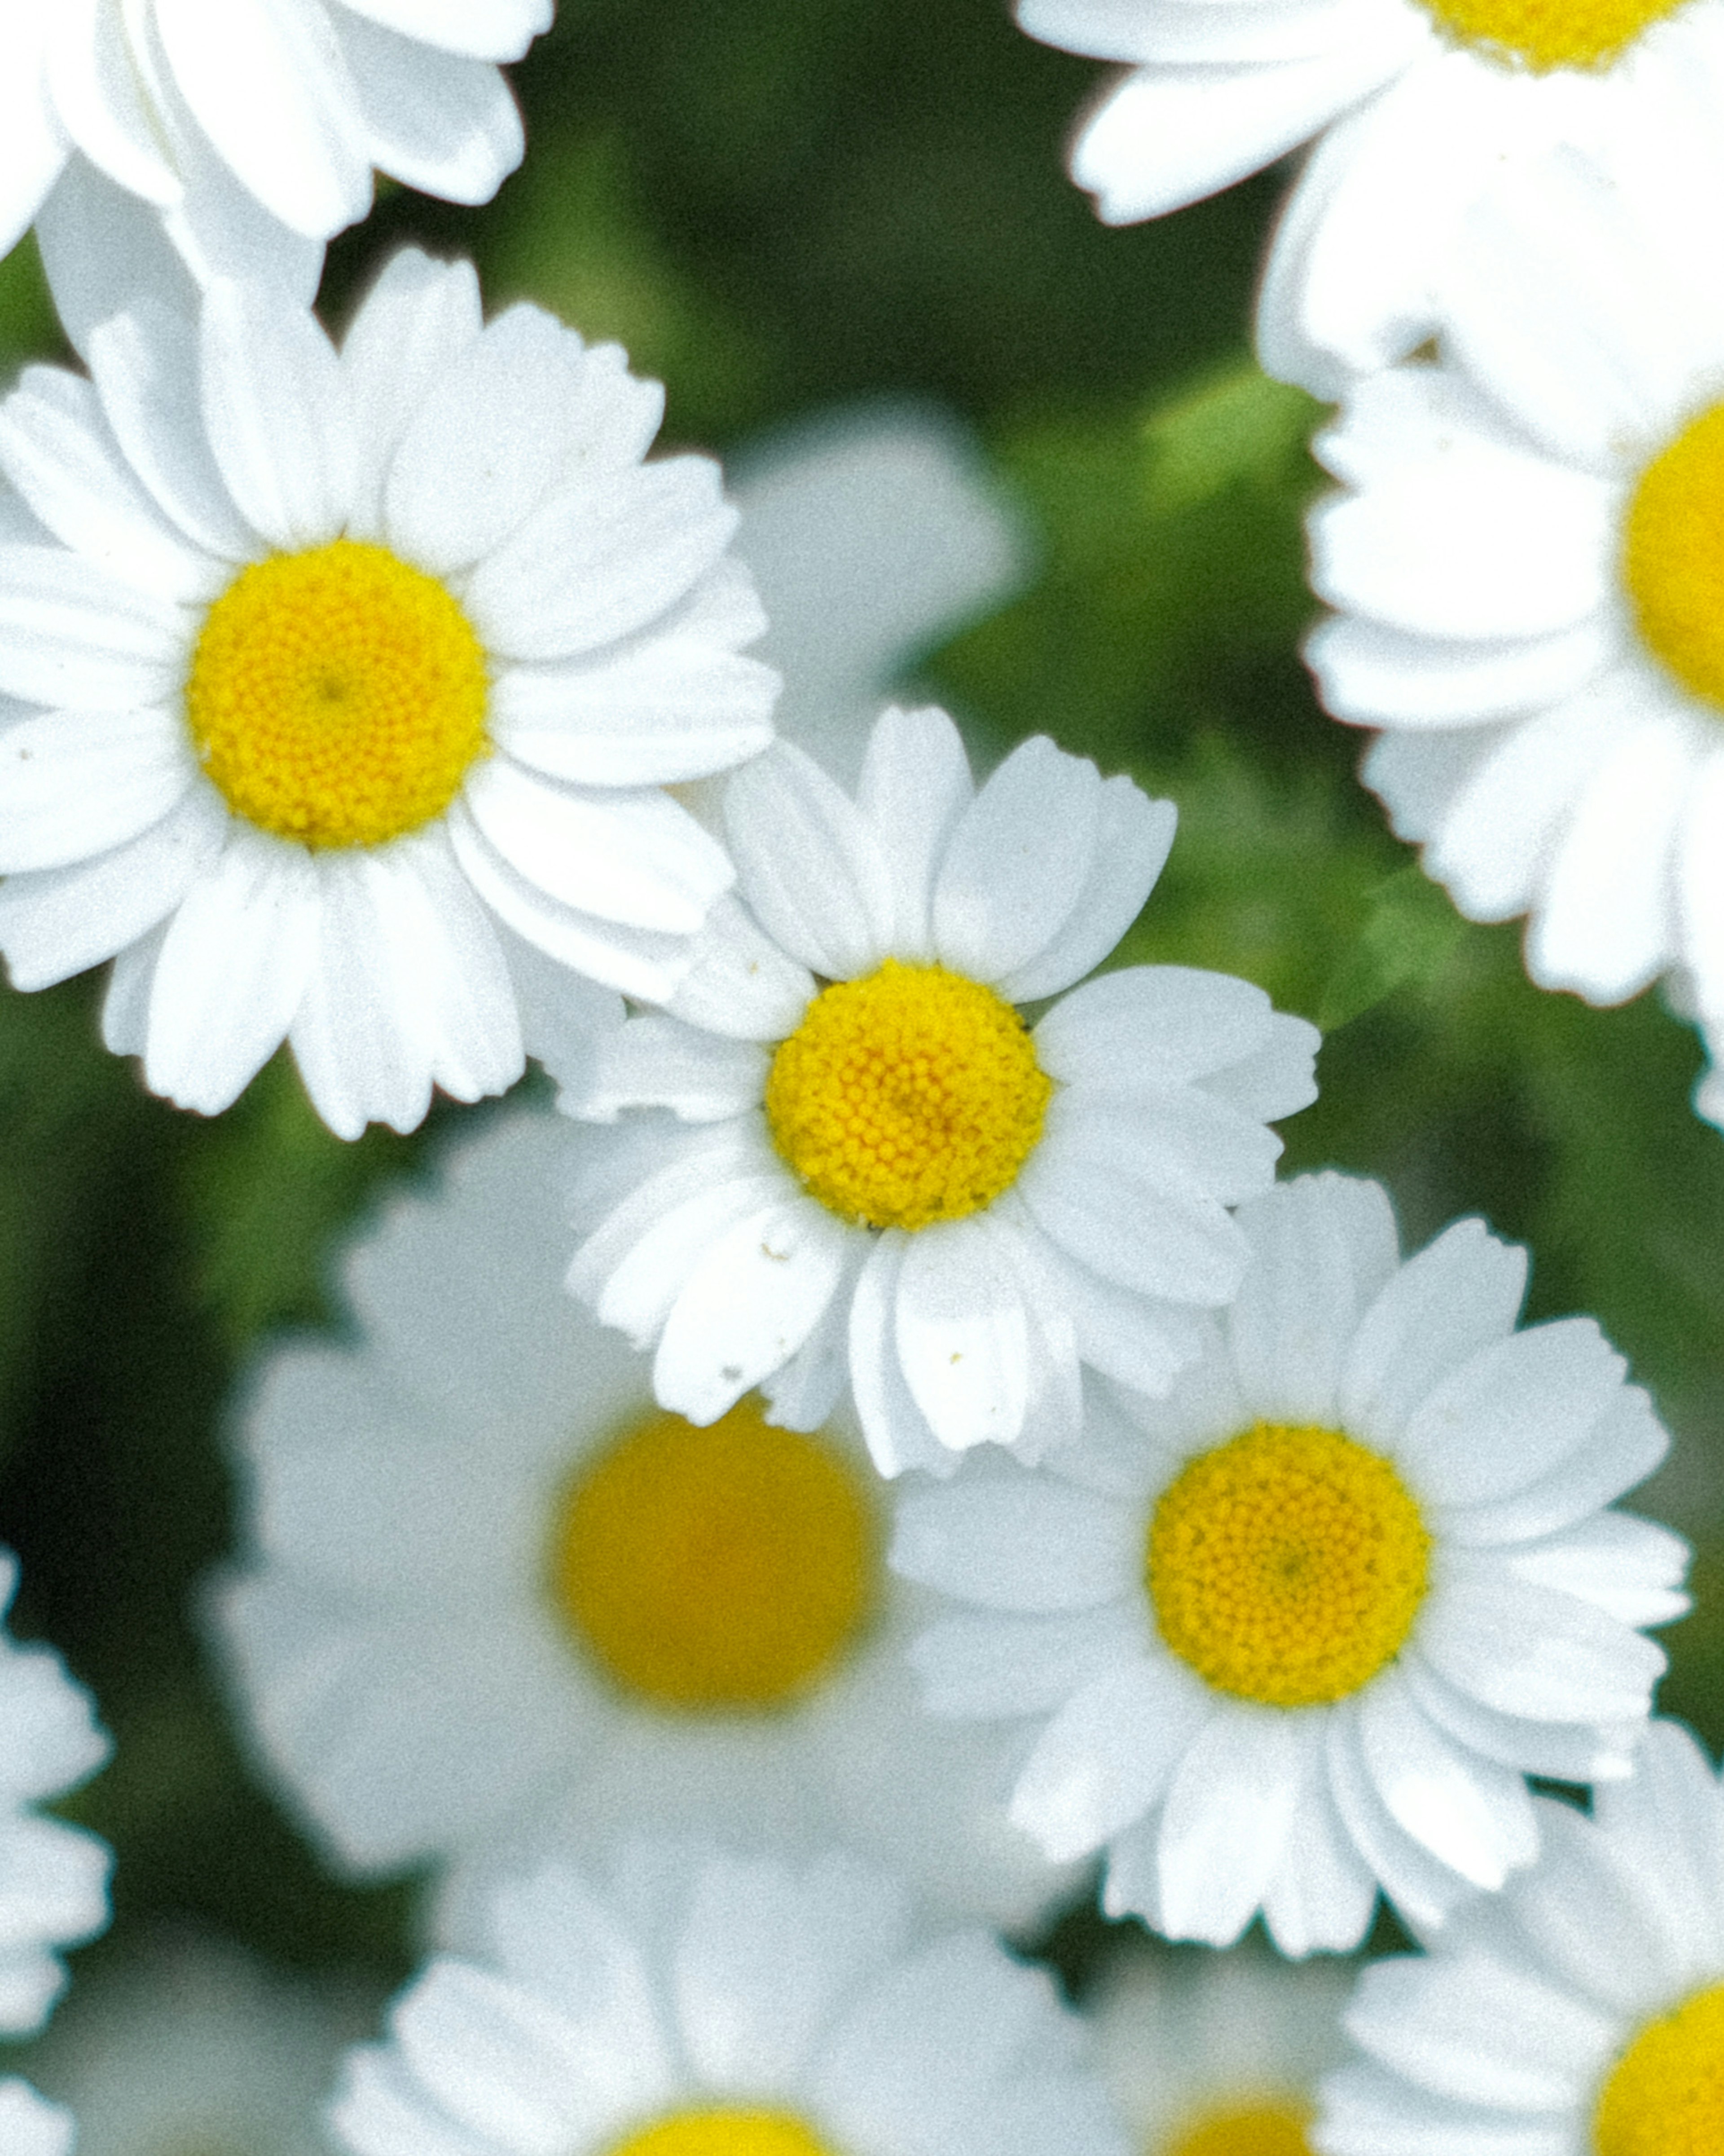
(1666, 2095)
(337, 696)
(1542, 35)
(1673, 556)
(910, 1096)
(721, 1569)
(724, 2133)
(1274, 2129)
(1287, 1565)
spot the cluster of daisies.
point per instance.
(885, 1448)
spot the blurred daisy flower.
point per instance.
(55, 1876)
(697, 2004)
(1418, 107)
(1302, 1629)
(844, 1154)
(28, 2127)
(250, 129)
(1581, 2015)
(501, 1602)
(1528, 568)
(1219, 2055)
(343, 689)
(193, 2048)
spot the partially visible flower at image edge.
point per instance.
(343, 689)
(843, 1156)
(29, 2127)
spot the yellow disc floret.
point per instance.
(1287, 1565)
(1275, 2127)
(723, 1569)
(909, 1097)
(1666, 2095)
(1539, 35)
(337, 696)
(1673, 556)
(725, 2132)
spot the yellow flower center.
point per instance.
(725, 2132)
(337, 696)
(1673, 556)
(723, 1569)
(1287, 1565)
(910, 1096)
(1665, 2094)
(1273, 2129)
(1539, 35)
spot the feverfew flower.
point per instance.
(1418, 107)
(1302, 1629)
(501, 1603)
(1529, 568)
(56, 1876)
(344, 689)
(696, 2004)
(28, 2127)
(1581, 2015)
(845, 1154)
(254, 125)
(1219, 2055)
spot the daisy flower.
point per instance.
(1302, 1630)
(1581, 2015)
(700, 2005)
(1416, 108)
(845, 1154)
(1219, 2055)
(501, 1603)
(251, 129)
(28, 2127)
(55, 1876)
(340, 690)
(1528, 569)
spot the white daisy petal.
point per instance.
(73, 635)
(444, 124)
(1373, 674)
(1474, 1815)
(669, 711)
(1426, 1891)
(652, 1061)
(962, 1334)
(742, 985)
(33, 143)
(1230, 1812)
(498, 30)
(1323, 1892)
(416, 322)
(1016, 1543)
(808, 865)
(914, 787)
(74, 784)
(1132, 842)
(1565, 1751)
(1147, 1027)
(277, 414)
(1527, 1650)
(997, 1665)
(1108, 1754)
(897, 1431)
(1632, 1569)
(1017, 855)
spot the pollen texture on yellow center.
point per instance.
(1539, 35)
(719, 1570)
(1287, 1565)
(725, 2132)
(1673, 556)
(337, 696)
(909, 1097)
(1276, 2128)
(1666, 2095)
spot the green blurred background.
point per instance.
(778, 206)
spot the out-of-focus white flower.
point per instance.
(55, 1876)
(28, 2127)
(844, 1155)
(1303, 1628)
(696, 2004)
(1418, 107)
(343, 690)
(501, 1603)
(1583, 2014)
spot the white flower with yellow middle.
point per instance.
(1304, 1628)
(339, 691)
(501, 1602)
(843, 1155)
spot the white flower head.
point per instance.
(694, 2003)
(251, 129)
(844, 1156)
(501, 1603)
(56, 1876)
(1418, 108)
(28, 2127)
(192, 2047)
(1219, 2055)
(339, 691)
(1529, 576)
(1581, 2013)
(1302, 1629)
